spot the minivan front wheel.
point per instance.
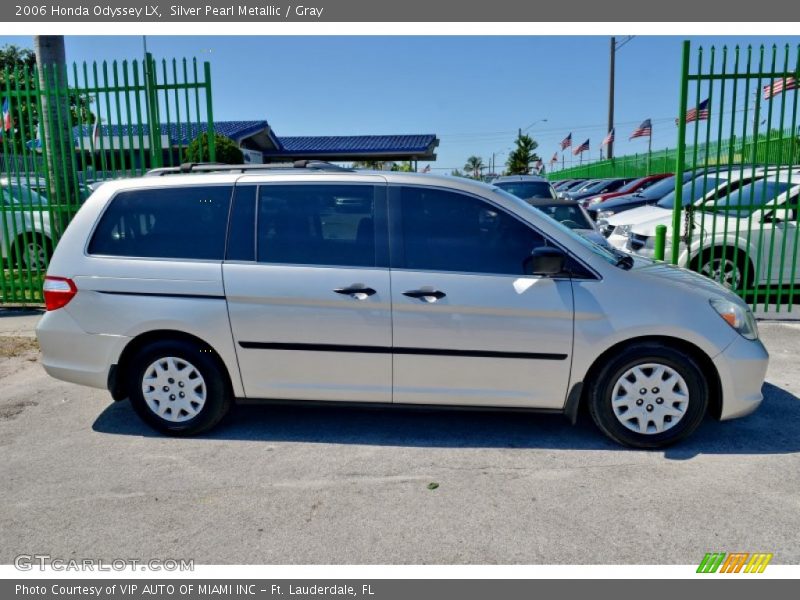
(178, 388)
(649, 396)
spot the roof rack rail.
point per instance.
(223, 168)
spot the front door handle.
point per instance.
(425, 294)
(359, 291)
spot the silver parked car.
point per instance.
(187, 292)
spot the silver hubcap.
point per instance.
(35, 255)
(174, 389)
(723, 270)
(650, 398)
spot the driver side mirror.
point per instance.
(546, 261)
(771, 217)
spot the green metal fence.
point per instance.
(67, 128)
(777, 148)
(736, 222)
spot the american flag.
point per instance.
(608, 139)
(427, 169)
(582, 148)
(644, 130)
(538, 165)
(778, 86)
(700, 113)
(554, 160)
(566, 142)
(8, 122)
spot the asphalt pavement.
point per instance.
(83, 477)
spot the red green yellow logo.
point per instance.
(734, 562)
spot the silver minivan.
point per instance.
(193, 288)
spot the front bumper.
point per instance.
(742, 367)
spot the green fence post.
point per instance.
(680, 154)
(212, 145)
(661, 242)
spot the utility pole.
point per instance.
(610, 151)
(612, 60)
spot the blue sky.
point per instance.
(473, 92)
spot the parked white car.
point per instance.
(25, 226)
(704, 188)
(188, 292)
(748, 238)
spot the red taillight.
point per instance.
(58, 291)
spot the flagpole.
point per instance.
(649, 150)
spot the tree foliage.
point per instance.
(18, 73)
(403, 167)
(474, 166)
(523, 156)
(225, 149)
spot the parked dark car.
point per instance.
(578, 188)
(603, 186)
(570, 214)
(525, 186)
(650, 195)
(565, 184)
(635, 186)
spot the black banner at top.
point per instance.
(405, 11)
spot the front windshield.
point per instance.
(702, 185)
(527, 189)
(601, 251)
(597, 185)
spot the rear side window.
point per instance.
(317, 225)
(185, 223)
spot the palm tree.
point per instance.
(474, 165)
(519, 161)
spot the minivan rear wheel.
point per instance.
(178, 388)
(649, 396)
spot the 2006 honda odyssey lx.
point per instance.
(187, 291)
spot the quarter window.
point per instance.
(184, 223)
(448, 231)
(317, 225)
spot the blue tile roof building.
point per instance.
(259, 136)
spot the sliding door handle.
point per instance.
(425, 294)
(357, 290)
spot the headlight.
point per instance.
(595, 201)
(604, 214)
(741, 319)
(623, 230)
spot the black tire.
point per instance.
(703, 265)
(603, 384)
(44, 250)
(218, 396)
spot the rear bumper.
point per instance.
(742, 367)
(71, 354)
